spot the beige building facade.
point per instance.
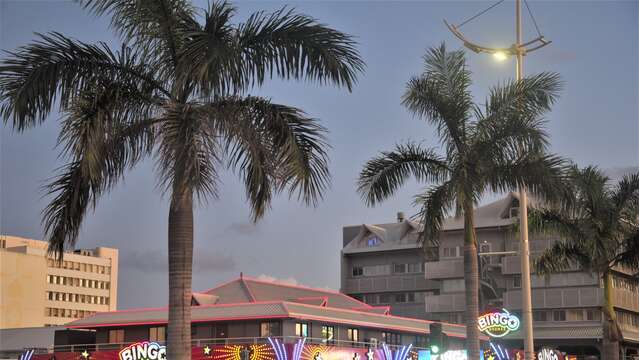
(36, 290)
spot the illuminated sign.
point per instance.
(498, 324)
(143, 351)
(549, 354)
(451, 355)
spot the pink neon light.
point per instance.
(154, 322)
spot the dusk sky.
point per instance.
(595, 49)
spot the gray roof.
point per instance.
(247, 298)
(405, 234)
(246, 289)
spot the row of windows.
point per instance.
(72, 281)
(375, 270)
(395, 298)
(567, 315)
(67, 313)
(116, 336)
(625, 284)
(538, 315)
(627, 318)
(328, 332)
(77, 298)
(74, 265)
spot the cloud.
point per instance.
(156, 260)
(287, 281)
(242, 228)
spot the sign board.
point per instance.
(144, 350)
(498, 323)
(549, 354)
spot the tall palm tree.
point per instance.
(600, 232)
(495, 147)
(178, 89)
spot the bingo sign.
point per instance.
(144, 350)
(498, 323)
(549, 354)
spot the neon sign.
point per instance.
(498, 324)
(144, 350)
(549, 354)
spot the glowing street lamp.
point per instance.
(518, 49)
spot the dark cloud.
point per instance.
(156, 260)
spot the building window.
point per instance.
(539, 315)
(384, 298)
(559, 315)
(593, 315)
(372, 241)
(116, 336)
(157, 334)
(420, 341)
(328, 334)
(302, 330)
(358, 271)
(400, 298)
(391, 338)
(399, 268)
(517, 282)
(416, 268)
(353, 335)
(270, 328)
(575, 315)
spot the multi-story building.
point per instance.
(36, 290)
(566, 306)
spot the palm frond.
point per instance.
(441, 95)
(626, 193)
(223, 57)
(273, 147)
(189, 152)
(436, 204)
(384, 174)
(102, 144)
(58, 68)
(154, 26)
(542, 174)
(562, 256)
(297, 46)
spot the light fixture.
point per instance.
(500, 56)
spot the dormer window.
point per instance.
(372, 241)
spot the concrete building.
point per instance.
(566, 306)
(36, 290)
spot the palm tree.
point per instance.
(177, 89)
(600, 234)
(496, 148)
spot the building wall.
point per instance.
(37, 290)
(22, 290)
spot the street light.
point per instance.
(519, 49)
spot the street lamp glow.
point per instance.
(500, 55)
(434, 349)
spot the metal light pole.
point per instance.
(518, 49)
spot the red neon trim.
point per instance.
(386, 309)
(323, 298)
(154, 322)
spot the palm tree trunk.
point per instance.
(611, 332)
(180, 274)
(471, 282)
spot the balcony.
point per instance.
(396, 282)
(444, 269)
(556, 298)
(445, 303)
